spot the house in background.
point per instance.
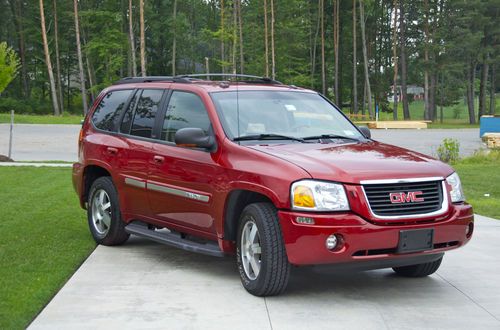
(414, 93)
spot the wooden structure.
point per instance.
(492, 140)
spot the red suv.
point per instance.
(270, 172)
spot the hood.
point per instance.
(354, 162)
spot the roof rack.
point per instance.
(252, 79)
(188, 78)
(132, 80)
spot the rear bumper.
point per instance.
(77, 177)
(366, 243)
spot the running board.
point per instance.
(209, 248)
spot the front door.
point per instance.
(181, 181)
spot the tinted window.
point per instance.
(145, 112)
(184, 110)
(110, 108)
(127, 117)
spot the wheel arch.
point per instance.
(90, 174)
(236, 201)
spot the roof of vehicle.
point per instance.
(235, 82)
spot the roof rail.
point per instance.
(188, 78)
(132, 80)
(254, 79)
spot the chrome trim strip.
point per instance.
(135, 183)
(435, 178)
(178, 192)
(442, 210)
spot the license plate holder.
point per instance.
(415, 240)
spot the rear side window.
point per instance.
(145, 112)
(109, 109)
(184, 110)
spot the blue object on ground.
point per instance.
(489, 124)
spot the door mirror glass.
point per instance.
(194, 138)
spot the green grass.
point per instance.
(480, 175)
(41, 119)
(44, 239)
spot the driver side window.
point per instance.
(184, 110)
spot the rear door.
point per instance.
(182, 180)
(137, 133)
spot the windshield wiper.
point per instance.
(329, 136)
(268, 137)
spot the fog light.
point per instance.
(305, 220)
(469, 229)
(331, 242)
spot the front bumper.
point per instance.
(366, 242)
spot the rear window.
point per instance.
(109, 109)
(145, 113)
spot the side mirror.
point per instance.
(366, 131)
(194, 138)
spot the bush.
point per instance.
(448, 151)
(25, 107)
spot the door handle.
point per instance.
(112, 151)
(158, 159)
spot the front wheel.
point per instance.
(419, 270)
(261, 257)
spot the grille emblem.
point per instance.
(409, 197)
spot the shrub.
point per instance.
(448, 151)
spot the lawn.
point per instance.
(44, 240)
(41, 119)
(480, 175)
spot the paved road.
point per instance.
(150, 286)
(59, 142)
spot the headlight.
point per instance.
(318, 196)
(457, 194)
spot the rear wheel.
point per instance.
(419, 270)
(103, 213)
(261, 256)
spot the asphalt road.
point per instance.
(59, 142)
(144, 285)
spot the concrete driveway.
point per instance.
(60, 142)
(149, 286)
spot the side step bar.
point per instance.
(209, 248)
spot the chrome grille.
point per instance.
(378, 196)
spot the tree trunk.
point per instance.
(222, 46)
(235, 28)
(240, 28)
(58, 64)
(354, 61)
(266, 38)
(273, 59)
(427, 115)
(53, 93)
(131, 38)
(80, 60)
(404, 73)
(432, 96)
(471, 73)
(323, 68)
(482, 89)
(336, 18)
(143, 38)
(365, 58)
(315, 42)
(395, 59)
(17, 12)
(492, 90)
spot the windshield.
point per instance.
(294, 114)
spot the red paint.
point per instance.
(269, 170)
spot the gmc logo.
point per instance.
(410, 197)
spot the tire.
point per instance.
(419, 270)
(273, 268)
(103, 213)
